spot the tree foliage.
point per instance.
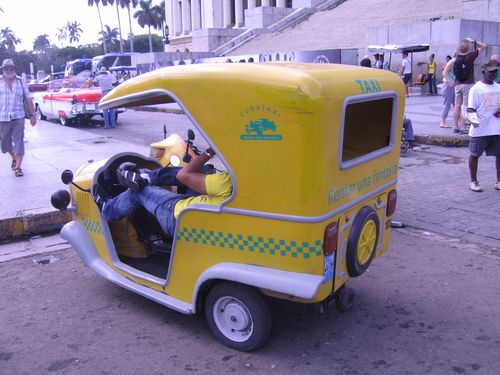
(41, 42)
(8, 40)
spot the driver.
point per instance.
(144, 191)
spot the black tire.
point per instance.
(39, 114)
(404, 146)
(344, 300)
(248, 309)
(64, 121)
(358, 259)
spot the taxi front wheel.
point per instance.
(238, 316)
(362, 242)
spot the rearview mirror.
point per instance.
(191, 134)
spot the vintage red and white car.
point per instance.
(69, 101)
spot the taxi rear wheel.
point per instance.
(238, 316)
(363, 240)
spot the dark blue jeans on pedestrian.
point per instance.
(408, 127)
(432, 84)
(156, 200)
(108, 114)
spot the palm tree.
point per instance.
(110, 36)
(62, 34)
(160, 15)
(96, 2)
(126, 4)
(117, 3)
(74, 31)
(146, 16)
(41, 42)
(8, 39)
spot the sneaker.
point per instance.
(456, 130)
(474, 186)
(497, 185)
(100, 195)
(129, 176)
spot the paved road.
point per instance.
(429, 306)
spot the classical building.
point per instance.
(203, 25)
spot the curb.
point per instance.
(443, 140)
(32, 224)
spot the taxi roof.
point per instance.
(149, 88)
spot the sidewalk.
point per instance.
(51, 148)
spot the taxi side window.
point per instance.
(367, 127)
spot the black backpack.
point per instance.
(460, 69)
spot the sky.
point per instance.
(30, 18)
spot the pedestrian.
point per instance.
(431, 75)
(463, 68)
(377, 58)
(366, 62)
(380, 62)
(448, 94)
(406, 71)
(105, 81)
(13, 95)
(497, 59)
(484, 112)
(409, 135)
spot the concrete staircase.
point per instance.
(291, 20)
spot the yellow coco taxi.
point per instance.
(313, 153)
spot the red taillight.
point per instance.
(156, 152)
(392, 198)
(331, 238)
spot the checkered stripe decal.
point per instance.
(253, 244)
(91, 225)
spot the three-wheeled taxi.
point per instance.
(313, 153)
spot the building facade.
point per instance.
(203, 25)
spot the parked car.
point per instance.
(66, 101)
(43, 85)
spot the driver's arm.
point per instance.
(191, 174)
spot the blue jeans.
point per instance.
(408, 127)
(156, 200)
(108, 114)
(432, 84)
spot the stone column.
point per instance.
(226, 13)
(266, 3)
(252, 4)
(177, 26)
(195, 14)
(186, 17)
(281, 3)
(239, 12)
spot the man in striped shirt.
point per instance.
(13, 92)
